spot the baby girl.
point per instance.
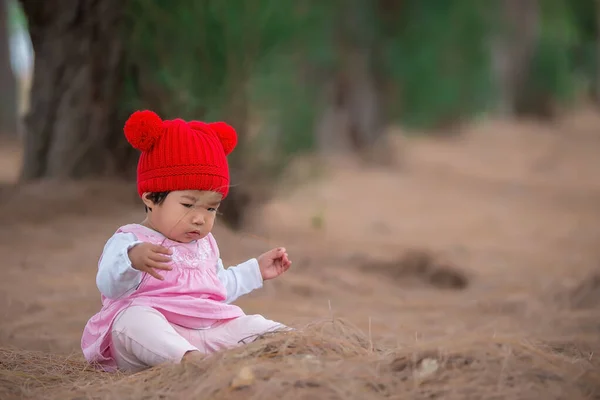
(166, 295)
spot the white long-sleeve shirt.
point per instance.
(116, 276)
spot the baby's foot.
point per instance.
(192, 356)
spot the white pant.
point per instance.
(142, 337)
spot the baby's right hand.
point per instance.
(147, 257)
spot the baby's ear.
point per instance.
(147, 201)
(227, 135)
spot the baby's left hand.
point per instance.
(273, 263)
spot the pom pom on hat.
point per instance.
(227, 135)
(142, 129)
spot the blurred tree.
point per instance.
(586, 43)
(596, 14)
(237, 68)
(436, 59)
(72, 128)
(290, 75)
(562, 70)
(513, 49)
(8, 84)
(353, 117)
(583, 53)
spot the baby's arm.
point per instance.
(115, 275)
(241, 279)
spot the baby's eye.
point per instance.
(187, 205)
(212, 209)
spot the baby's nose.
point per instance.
(198, 219)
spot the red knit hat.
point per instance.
(180, 155)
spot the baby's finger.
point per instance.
(159, 257)
(155, 274)
(161, 249)
(277, 252)
(158, 265)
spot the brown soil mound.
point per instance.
(421, 266)
(587, 293)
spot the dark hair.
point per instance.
(157, 198)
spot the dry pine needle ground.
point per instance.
(327, 360)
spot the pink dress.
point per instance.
(191, 295)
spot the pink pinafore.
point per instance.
(191, 294)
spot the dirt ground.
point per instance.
(468, 269)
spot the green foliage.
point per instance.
(285, 106)
(280, 94)
(216, 60)
(192, 57)
(564, 63)
(318, 220)
(552, 71)
(203, 58)
(439, 59)
(16, 17)
(583, 49)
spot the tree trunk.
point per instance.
(353, 118)
(8, 84)
(597, 79)
(234, 207)
(72, 128)
(512, 50)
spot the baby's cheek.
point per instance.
(173, 225)
(180, 217)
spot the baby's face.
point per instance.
(186, 215)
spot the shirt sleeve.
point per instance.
(240, 279)
(115, 275)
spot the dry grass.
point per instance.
(28, 374)
(327, 360)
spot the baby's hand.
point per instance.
(273, 263)
(146, 257)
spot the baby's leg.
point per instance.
(142, 337)
(238, 331)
